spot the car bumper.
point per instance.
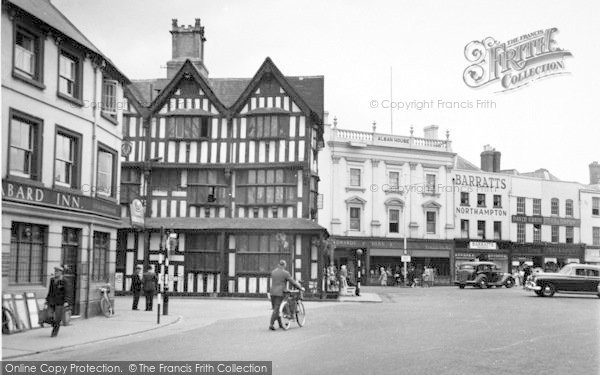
(532, 286)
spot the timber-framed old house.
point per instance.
(229, 166)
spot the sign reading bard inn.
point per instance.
(21, 192)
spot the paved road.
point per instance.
(414, 331)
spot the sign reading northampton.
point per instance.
(514, 63)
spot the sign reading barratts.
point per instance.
(515, 63)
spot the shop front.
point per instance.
(548, 257)
(389, 256)
(465, 251)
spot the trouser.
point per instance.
(149, 298)
(58, 316)
(275, 303)
(136, 298)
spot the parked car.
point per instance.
(482, 275)
(572, 278)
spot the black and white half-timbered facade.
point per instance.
(228, 165)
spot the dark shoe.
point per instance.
(272, 328)
(135, 309)
(54, 332)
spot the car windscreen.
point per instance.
(566, 270)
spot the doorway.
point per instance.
(71, 242)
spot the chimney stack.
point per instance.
(187, 43)
(594, 173)
(490, 159)
(431, 132)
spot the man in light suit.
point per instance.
(279, 278)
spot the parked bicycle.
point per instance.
(292, 308)
(105, 305)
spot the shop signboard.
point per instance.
(406, 258)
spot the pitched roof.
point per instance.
(228, 90)
(541, 174)
(462, 163)
(47, 13)
(200, 223)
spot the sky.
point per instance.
(371, 51)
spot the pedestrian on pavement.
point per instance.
(526, 273)
(59, 296)
(279, 278)
(136, 286)
(383, 277)
(343, 279)
(150, 283)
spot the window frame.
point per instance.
(481, 230)
(537, 233)
(76, 168)
(100, 265)
(106, 112)
(521, 233)
(37, 150)
(78, 58)
(113, 188)
(555, 207)
(481, 200)
(465, 202)
(521, 208)
(569, 234)
(16, 246)
(569, 208)
(497, 230)
(394, 185)
(429, 222)
(596, 236)
(555, 234)
(595, 206)
(397, 222)
(464, 227)
(37, 79)
(350, 177)
(430, 189)
(537, 207)
(350, 218)
(497, 201)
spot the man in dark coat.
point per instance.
(150, 282)
(279, 278)
(59, 296)
(136, 286)
(526, 273)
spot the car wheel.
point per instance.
(539, 293)
(548, 290)
(482, 283)
(462, 286)
(509, 283)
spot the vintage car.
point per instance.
(572, 278)
(482, 275)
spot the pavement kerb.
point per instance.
(179, 318)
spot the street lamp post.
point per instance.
(359, 275)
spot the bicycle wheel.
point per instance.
(106, 307)
(285, 315)
(300, 313)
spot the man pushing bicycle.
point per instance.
(279, 277)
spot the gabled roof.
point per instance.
(229, 90)
(49, 15)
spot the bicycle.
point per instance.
(292, 308)
(105, 305)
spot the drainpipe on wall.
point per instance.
(92, 186)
